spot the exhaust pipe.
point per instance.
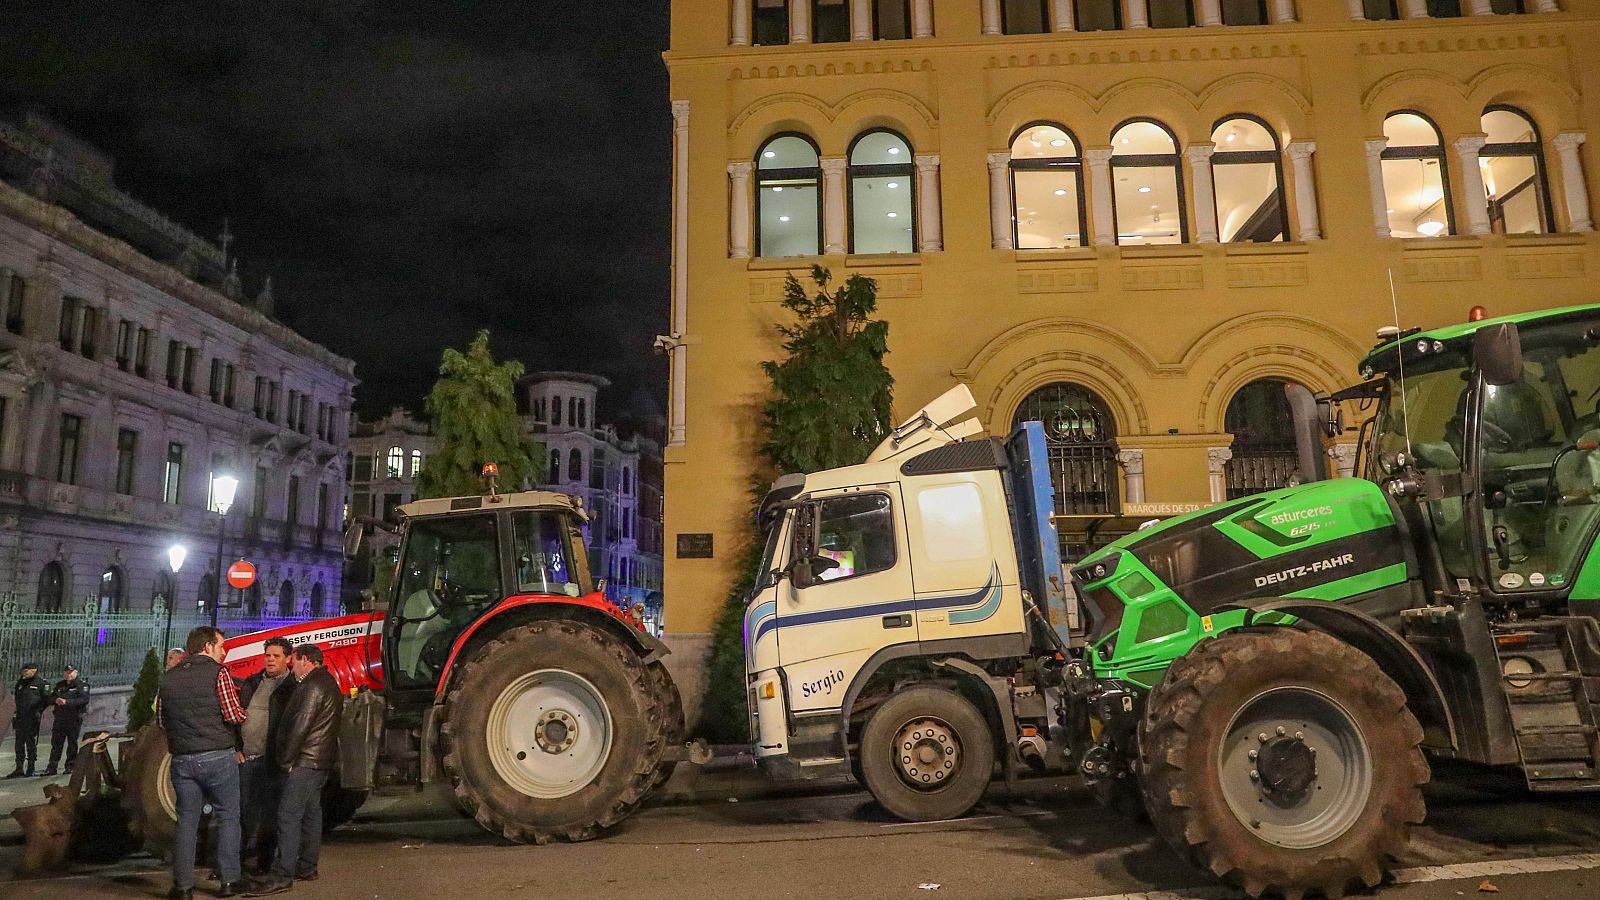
(1308, 431)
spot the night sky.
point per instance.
(407, 171)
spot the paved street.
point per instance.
(1049, 841)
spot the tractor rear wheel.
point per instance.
(927, 754)
(553, 730)
(1284, 762)
(148, 798)
(671, 701)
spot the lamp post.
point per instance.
(223, 487)
(175, 557)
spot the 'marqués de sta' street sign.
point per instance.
(241, 574)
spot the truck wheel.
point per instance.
(147, 796)
(1283, 761)
(927, 754)
(670, 700)
(553, 730)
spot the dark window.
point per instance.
(67, 451)
(174, 364)
(830, 21)
(363, 469)
(172, 478)
(207, 595)
(391, 502)
(165, 591)
(554, 474)
(52, 587)
(572, 412)
(1171, 14)
(258, 502)
(555, 410)
(141, 354)
(1507, 7)
(191, 361)
(127, 459)
(1444, 9)
(882, 194)
(891, 20)
(1081, 446)
(574, 465)
(1046, 188)
(1247, 177)
(788, 198)
(1381, 10)
(1024, 16)
(88, 348)
(124, 345)
(259, 407)
(1098, 15)
(229, 379)
(597, 470)
(1264, 456)
(216, 381)
(583, 413)
(273, 392)
(1244, 12)
(319, 600)
(13, 291)
(286, 598)
(360, 504)
(113, 594)
(770, 22)
(66, 334)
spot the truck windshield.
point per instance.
(769, 553)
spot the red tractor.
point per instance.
(497, 664)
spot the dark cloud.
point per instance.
(408, 172)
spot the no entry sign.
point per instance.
(241, 574)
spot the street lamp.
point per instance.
(175, 557)
(223, 487)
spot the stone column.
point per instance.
(1344, 459)
(42, 416)
(1216, 459)
(1281, 12)
(991, 16)
(833, 206)
(1135, 14)
(1358, 11)
(678, 387)
(1061, 16)
(929, 219)
(1205, 196)
(1546, 6)
(1413, 9)
(1000, 200)
(739, 209)
(860, 20)
(1132, 462)
(1478, 8)
(1210, 13)
(1472, 182)
(799, 21)
(739, 35)
(1380, 204)
(1101, 195)
(1305, 190)
(922, 18)
(1573, 185)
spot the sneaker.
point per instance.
(270, 886)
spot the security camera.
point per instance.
(666, 343)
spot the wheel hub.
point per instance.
(927, 753)
(1287, 767)
(556, 731)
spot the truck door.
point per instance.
(856, 603)
(965, 570)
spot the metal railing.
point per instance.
(107, 647)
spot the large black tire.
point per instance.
(671, 702)
(932, 738)
(147, 797)
(570, 653)
(1213, 722)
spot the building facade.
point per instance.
(615, 470)
(133, 369)
(1133, 220)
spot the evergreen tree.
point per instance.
(473, 406)
(142, 702)
(829, 406)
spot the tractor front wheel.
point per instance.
(1284, 762)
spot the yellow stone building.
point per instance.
(1135, 233)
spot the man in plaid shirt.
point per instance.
(200, 711)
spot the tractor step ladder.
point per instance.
(1551, 677)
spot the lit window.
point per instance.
(1512, 164)
(1247, 176)
(397, 461)
(1147, 186)
(1416, 183)
(1046, 188)
(881, 194)
(416, 463)
(788, 198)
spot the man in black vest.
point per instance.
(32, 696)
(201, 713)
(306, 745)
(71, 698)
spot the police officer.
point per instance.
(71, 698)
(32, 696)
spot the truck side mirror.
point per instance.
(353, 536)
(1497, 349)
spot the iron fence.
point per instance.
(107, 647)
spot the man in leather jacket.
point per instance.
(32, 696)
(306, 746)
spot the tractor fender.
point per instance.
(1397, 658)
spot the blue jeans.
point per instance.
(198, 778)
(261, 784)
(300, 823)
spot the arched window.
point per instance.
(319, 597)
(1247, 177)
(252, 598)
(1046, 188)
(397, 462)
(574, 465)
(555, 410)
(1264, 457)
(554, 474)
(1097, 15)
(882, 194)
(165, 591)
(1244, 12)
(1080, 437)
(1512, 163)
(113, 593)
(416, 463)
(891, 20)
(1170, 14)
(1147, 185)
(1416, 182)
(1024, 16)
(286, 598)
(788, 197)
(52, 588)
(572, 412)
(770, 21)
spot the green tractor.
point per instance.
(1272, 674)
